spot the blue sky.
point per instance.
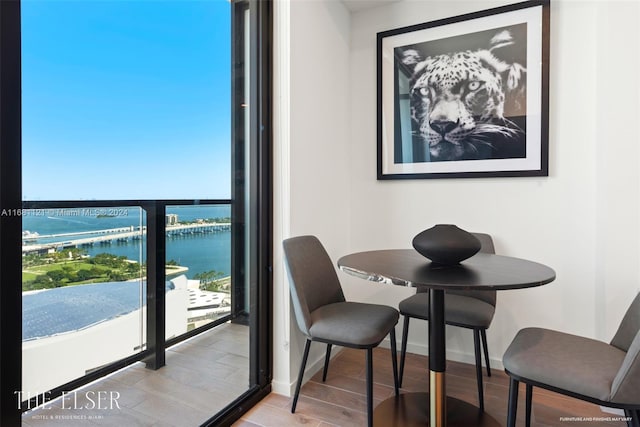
(126, 99)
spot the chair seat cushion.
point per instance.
(353, 324)
(568, 362)
(459, 310)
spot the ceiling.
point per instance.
(357, 5)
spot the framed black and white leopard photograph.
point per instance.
(465, 96)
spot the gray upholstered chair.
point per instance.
(323, 314)
(584, 368)
(466, 309)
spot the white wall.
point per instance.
(617, 160)
(312, 194)
(583, 220)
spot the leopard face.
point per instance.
(457, 103)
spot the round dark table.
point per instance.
(406, 267)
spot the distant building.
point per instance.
(171, 219)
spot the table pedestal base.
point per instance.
(412, 410)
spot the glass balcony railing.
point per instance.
(84, 282)
(198, 266)
(83, 288)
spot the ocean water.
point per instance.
(60, 310)
(197, 252)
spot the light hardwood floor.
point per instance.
(206, 373)
(201, 376)
(341, 400)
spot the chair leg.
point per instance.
(403, 348)
(476, 344)
(483, 334)
(513, 402)
(634, 417)
(326, 363)
(394, 360)
(300, 375)
(369, 363)
(528, 397)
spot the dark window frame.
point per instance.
(260, 146)
(10, 225)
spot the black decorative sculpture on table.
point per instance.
(446, 244)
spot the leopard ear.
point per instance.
(409, 58)
(516, 77)
(504, 56)
(504, 48)
(500, 40)
(515, 82)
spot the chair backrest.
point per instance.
(313, 279)
(486, 243)
(629, 326)
(626, 383)
(487, 247)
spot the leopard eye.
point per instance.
(424, 91)
(474, 85)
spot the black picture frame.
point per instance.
(466, 96)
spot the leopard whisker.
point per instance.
(478, 141)
(489, 128)
(511, 124)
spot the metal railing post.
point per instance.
(156, 278)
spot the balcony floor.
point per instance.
(201, 376)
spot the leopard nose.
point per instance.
(443, 126)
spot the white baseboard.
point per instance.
(281, 387)
(454, 355)
(287, 389)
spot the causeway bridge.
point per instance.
(46, 242)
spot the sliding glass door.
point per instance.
(135, 152)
